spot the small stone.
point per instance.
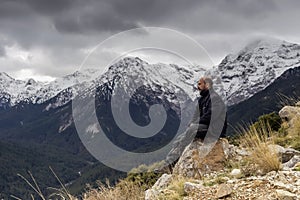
(242, 152)
(223, 191)
(297, 183)
(192, 187)
(257, 183)
(162, 182)
(285, 195)
(230, 181)
(236, 172)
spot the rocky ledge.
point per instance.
(214, 176)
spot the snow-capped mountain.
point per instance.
(241, 75)
(14, 91)
(129, 88)
(64, 89)
(256, 66)
(134, 80)
(170, 76)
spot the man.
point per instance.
(210, 104)
(209, 120)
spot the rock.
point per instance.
(289, 112)
(236, 173)
(192, 187)
(151, 194)
(279, 184)
(285, 195)
(198, 159)
(158, 187)
(242, 152)
(162, 182)
(298, 183)
(285, 153)
(291, 163)
(231, 181)
(297, 104)
(223, 191)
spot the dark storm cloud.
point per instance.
(50, 7)
(90, 20)
(78, 16)
(16, 8)
(62, 30)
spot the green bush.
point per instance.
(272, 119)
(145, 179)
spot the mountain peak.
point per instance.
(131, 61)
(126, 64)
(262, 43)
(5, 77)
(256, 66)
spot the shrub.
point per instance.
(144, 179)
(273, 119)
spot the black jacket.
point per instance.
(210, 102)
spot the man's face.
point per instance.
(201, 85)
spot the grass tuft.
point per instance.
(122, 191)
(257, 140)
(175, 190)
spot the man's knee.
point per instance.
(202, 131)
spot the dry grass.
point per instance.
(124, 190)
(257, 141)
(175, 190)
(59, 193)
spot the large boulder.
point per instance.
(198, 158)
(290, 114)
(285, 154)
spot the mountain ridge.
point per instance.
(237, 77)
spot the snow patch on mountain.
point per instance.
(236, 78)
(255, 67)
(31, 91)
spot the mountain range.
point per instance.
(37, 117)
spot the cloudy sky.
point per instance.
(47, 39)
